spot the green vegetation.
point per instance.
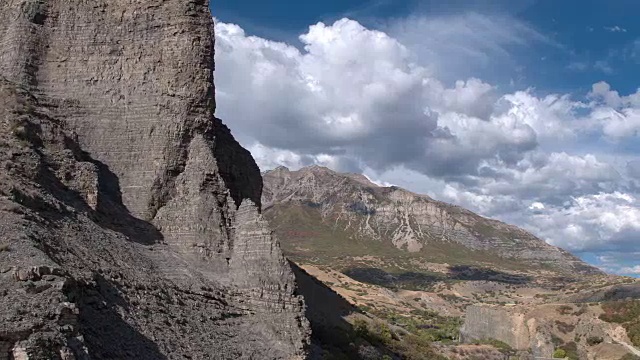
(426, 325)
(559, 354)
(626, 313)
(570, 351)
(409, 346)
(500, 345)
(309, 238)
(453, 299)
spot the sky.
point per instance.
(527, 111)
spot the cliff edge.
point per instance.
(130, 222)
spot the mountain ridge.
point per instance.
(408, 220)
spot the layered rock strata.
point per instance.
(130, 222)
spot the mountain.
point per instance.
(130, 223)
(422, 279)
(327, 216)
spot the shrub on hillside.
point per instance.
(565, 309)
(594, 340)
(559, 354)
(564, 327)
(626, 313)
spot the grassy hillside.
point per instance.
(308, 238)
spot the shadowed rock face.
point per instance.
(130, 215)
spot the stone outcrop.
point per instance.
(537, 331)
(409, 221)
(130, 222)
(523, 333)
(491, 322)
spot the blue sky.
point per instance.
(526, 111)
(592, 40)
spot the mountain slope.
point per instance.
(337, 215)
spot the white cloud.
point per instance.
(634, 270)
(605, 220)
(603, 93)
(459, 45)
(619, 116)
(621, 262)
(615, 29)
(341, 91)
(564, 166)
(537, 207)
(358, 94)
(550, 116)
(360, 100)
(618, 124)
(378, 182)
(482, 203)
(471, 97)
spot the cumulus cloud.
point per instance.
(270, 158)
(349, 85)
(619, 116)
(358, 94)
(602, 93)
(362, 100)
(605, 220)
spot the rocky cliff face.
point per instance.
(410, 222)
(506, 325)
(130, 221)
(537, 331)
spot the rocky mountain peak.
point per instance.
(317, 170)
(282, 169)
(361, 178)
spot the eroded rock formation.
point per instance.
(130, 222)
(537, 331)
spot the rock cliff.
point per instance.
(506, 325)
(130, 222)
(537, 331)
